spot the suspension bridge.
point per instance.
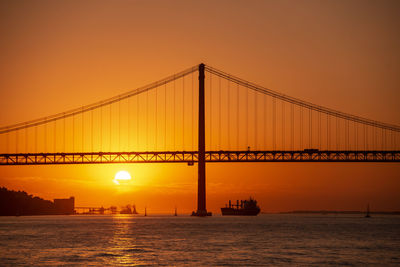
(199, 115)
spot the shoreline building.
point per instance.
(65, 206)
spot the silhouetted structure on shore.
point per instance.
(18, 203)
(128, 209)
(65, 205)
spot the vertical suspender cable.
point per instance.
(26, 139)
(83, 130)
(255, 120)
(387, 140)
(347, 134)
(64, 119)
(219, 113)
(16, 141)
(73, 132)
(237, 116)
(55, 136)
(365, 138)
(183, 113)
(129, 124)
(229, 113)
(353, 147)
(147, 120)
(265, 121)
(274, 123)
(301, 127)
(109, 144)
(319, 130)
(101, 128)
(337, 133)
(356, 135)
(119, 124)
(137, 122)
(328, 131)
(91, 130)
(391, 140)
(45, 137)
(383, 139)
(174, 115)
(156, 122)
(292, 127)
(211, 114)
(192, 111)
(8, 141)
(165, 116)
(350, 134)
(283, 125)
(35, 140)
(247, 118)
(310, 131)
(387, 137)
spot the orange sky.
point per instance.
(58, 55)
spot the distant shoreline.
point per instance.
(390, 213)
(337, 212)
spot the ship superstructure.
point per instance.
(243, 208)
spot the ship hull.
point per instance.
(239, 212)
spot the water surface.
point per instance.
(243, 241)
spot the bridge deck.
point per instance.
(192, 157)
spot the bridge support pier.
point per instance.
(201, 184)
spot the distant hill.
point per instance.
(340, 212)
(18, 203)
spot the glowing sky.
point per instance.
(59, 55)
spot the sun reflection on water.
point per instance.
(123, 243)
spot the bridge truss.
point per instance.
(191, 157)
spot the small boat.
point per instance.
(201, 214)
(245, 208)
(176, 212)
(368, 214)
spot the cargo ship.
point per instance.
(244, 208)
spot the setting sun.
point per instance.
(121, 176)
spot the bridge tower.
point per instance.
(201, 184)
